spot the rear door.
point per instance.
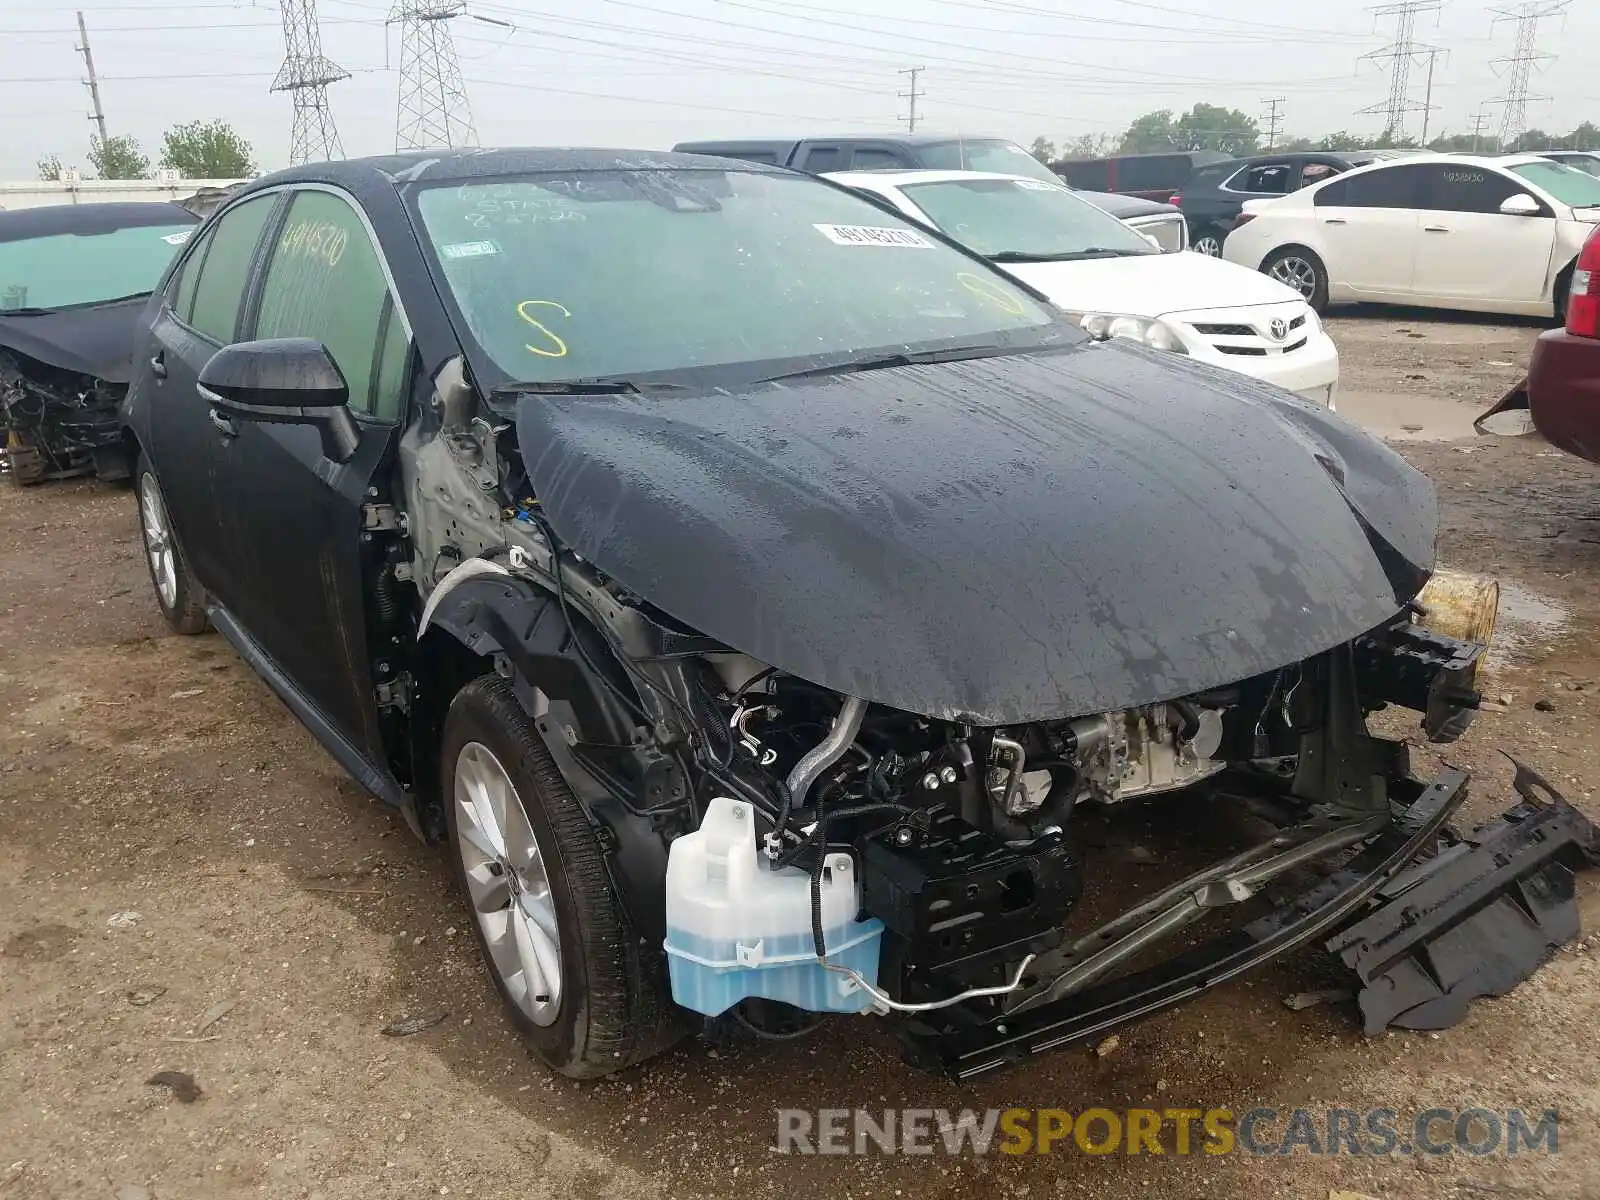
(200, 315)
(1470, 251)
(301, 515)
(1367, 225)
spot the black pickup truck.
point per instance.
(940, 152)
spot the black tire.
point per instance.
(614, 1010)
(1202, 234)
(1317, 293)
(186, 613)
(1563, 293)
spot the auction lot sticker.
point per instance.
(874, 235)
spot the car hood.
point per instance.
(1152, 285)
(1126, 206)
(995, 541)
(92, 339)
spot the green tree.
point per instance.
(1043, 149)
(50, 169)
(1341, 140)
(1466, 143)
(1294, 145)
(1088, 145)
(1151, 132)
(118, 158)
(1584, 137)
(1211, 127)
(207, 150)
(1533, 139)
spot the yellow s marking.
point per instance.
(561, 347)
(987, 289)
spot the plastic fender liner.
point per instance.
(581, 724)
(964, 1052)
(1475, 920)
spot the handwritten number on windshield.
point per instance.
(560, 350)
(987, 289)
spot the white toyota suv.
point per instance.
(1116, 282)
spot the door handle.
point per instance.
(158, 364)
(223, 424)
(1435, 229)
(1335, 221)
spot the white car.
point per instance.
(1496, 235)
(1116, 282)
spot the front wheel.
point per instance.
(576, 979)
(1303, 271)
(1208, 242)
(180, 596)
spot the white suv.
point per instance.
(1116, 282)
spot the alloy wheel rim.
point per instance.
(158, 541)
(1297, 273)
(508, 883)
(1209, 246)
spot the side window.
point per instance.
(188, 275)
(1315, 172)
(1268, 179)
(1386, 187)
(394, 357)
(1153, 171)
(875, 160)
(1092, 175)
(1453, 187)
(325, 281)
(219, 290)
(823, 158)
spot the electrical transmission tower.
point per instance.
(433, 109)
(306, 74)
(912, 97)
(1401, 54)
(1514, 110)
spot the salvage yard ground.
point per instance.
(188, 883)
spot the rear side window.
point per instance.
(1385, 187)
(219, 289)
(875, 160)
(823, 158)
(1205, 178)
(188, 276)
(325, 281)
(1157, 171)
(1268, 179)
(1091, 176)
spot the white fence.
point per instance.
(39, 193)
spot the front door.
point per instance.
(1469, 251)
(300, 515)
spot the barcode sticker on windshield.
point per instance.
(468, 249)
(1036, 185)
(179, 238)
(873, 235)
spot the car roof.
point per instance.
(908, 175)
(898, 137)
(47, 220)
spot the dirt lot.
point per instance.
(283, 920)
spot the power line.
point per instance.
(912, 97)
(98, 116)
(1274, 122)
(305, 75)
(1400, 54)
(1514, 104)
(433, 109)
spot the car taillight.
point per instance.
(1177, 198)
(1243, 218)
(1583, 308)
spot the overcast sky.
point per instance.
(648, 73)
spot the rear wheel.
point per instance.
(1208, 241)
(576, 979)
(181, 598)
(1563, 293)
(1303, 271)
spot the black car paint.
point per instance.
(998, 541)
(1208, 208)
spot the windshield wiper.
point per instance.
(854, 366)
(25, 312)
(1025, 256)
(583, 387)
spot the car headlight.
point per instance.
(1152, 331)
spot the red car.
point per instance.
(1562, 389)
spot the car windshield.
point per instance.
(985, 154)
(65, 269)
(1567, 184)
(1018, 218)
(618, 274)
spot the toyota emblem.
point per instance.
(1279, 329)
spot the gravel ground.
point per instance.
(282, 920)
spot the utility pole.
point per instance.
(1400, 54)
(1478, 122)
(306, 74)
(1432, 52)
(1273, 123)
(98, 116)
(912, 97)
(1514, 104)
(433, 107)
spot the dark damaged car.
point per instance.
(772, 605)
(73, 280)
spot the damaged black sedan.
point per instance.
(762, 595)
(73, 279)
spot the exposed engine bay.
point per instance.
(828, 853)
(56, 423)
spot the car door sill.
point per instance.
(377, 780)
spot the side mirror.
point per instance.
(1520, 205)
(1152, 239)
(283, 381)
